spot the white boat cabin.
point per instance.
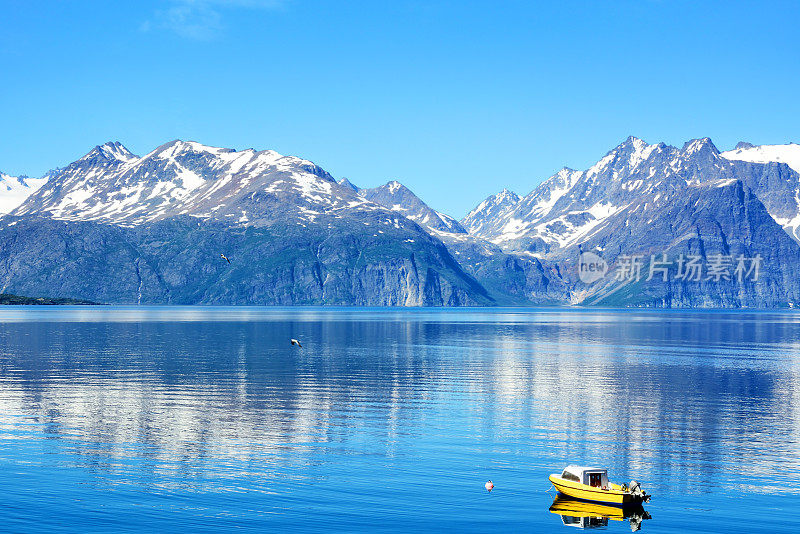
(591, 476)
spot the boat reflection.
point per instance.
(582, 514)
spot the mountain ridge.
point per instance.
(114, 227)
(296, 235)
(579, 200)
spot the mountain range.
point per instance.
(118, 228)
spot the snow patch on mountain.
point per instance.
(788, 154)
(112, 185)
(112, 151)
(640, 153)
(571, 206)
(14, 190)
(399, 198)
(492, 208)
(697, 145)
(574, 226)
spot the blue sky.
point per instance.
(455, 99)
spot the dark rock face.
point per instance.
(510, 279)
(178, 261)
(777, 186)
(708, 221)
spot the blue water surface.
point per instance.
(206, 419)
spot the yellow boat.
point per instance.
(583, 514)
(591, 484)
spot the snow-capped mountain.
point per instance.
(572, 206)
(401, 199)
(111, 185)
(494, 208)
(644, 200)
(116, 227)
(14, 190)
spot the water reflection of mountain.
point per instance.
(643, 394)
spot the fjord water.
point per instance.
(206, 419)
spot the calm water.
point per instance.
(204, 419)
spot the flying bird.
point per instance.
(224, 258)
(295, 342)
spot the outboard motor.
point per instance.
(636, 489)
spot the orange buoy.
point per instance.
(489, 486)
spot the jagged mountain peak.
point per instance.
(112, 185)
(112, 151)
(399, 198)
(630, 144)
(634, 142)
(178, 147)
(395, 186)
(396, 189)
(573, 206)
(344, 182)
(565, 171)
(506, 197)
(192, 153)
(696, 146)
(625, 156)
(507, 194)
(489, 210)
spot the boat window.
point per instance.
(566, 475)
(595, 480)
